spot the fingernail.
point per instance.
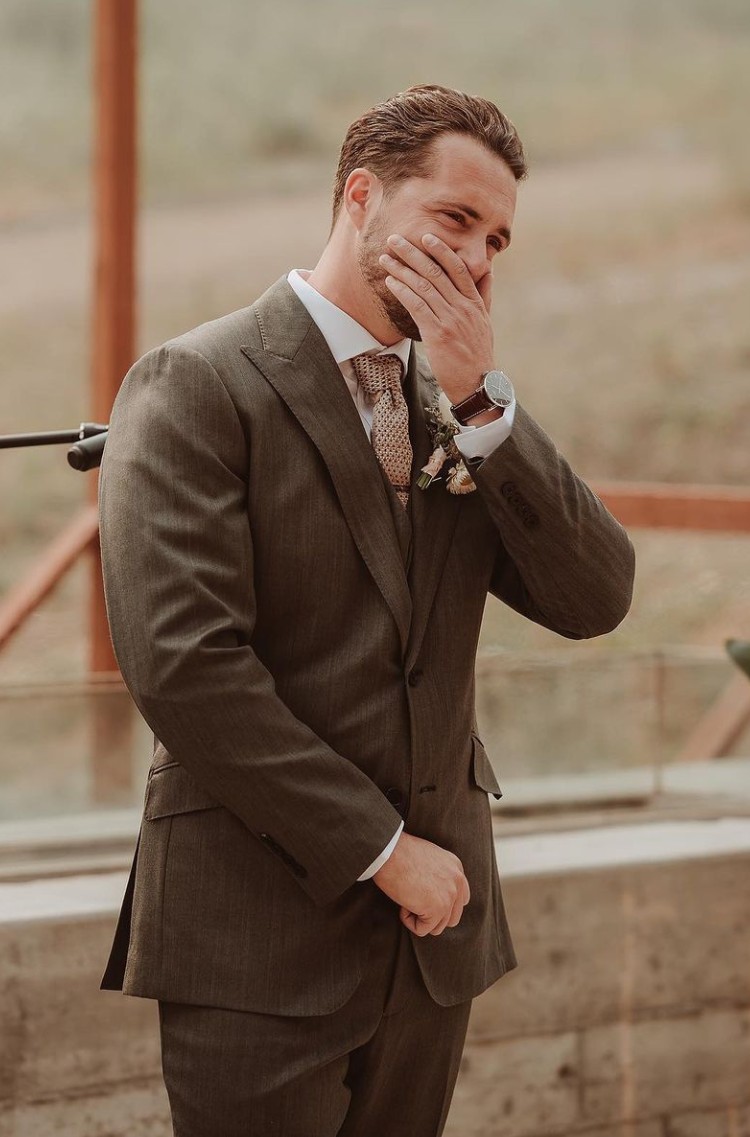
(394, 239)
(429, 239)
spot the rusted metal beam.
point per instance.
(115, 175)
(658, 505)
(49, 568)
(721, 725)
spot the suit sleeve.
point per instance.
(563, 560)
(177, 560)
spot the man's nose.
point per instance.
(475, 257)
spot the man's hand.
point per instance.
(428, 884)
(450, 310)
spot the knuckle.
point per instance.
(424, 286)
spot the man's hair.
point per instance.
(394, 138)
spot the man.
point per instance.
(314, 900)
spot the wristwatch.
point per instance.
(494, 393)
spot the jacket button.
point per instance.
(414, 677)
(394, 796)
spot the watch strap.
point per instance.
(475, 404)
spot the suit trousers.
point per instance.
(383, 1065)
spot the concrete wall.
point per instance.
(629, 1013)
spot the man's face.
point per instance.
(468, 200)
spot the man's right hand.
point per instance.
(427, 883)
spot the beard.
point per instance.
(372, 244)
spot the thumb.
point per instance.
(411, 921)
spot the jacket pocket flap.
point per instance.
(484, 775)
(171, 789)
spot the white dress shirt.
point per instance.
(346, 338)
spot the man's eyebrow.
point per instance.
(472, 213)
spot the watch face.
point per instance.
(499, 388)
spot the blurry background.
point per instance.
(621, 309)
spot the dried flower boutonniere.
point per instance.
(442, 428)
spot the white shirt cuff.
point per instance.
(480, 441)
(380, 861)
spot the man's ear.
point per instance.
(363, 192)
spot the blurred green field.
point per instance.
(228, 88)
(621, 311)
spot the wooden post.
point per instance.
(659, 505)
(113, 332)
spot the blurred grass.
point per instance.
(227, 88)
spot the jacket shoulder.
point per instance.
(219, 341)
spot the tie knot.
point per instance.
(377, 374)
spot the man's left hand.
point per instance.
(450, 310)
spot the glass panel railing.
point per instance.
(69, 748)
(544, 718)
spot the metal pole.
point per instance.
(115, 173)
(113, 343)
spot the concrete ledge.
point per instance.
(604, 847)
(62, 898)
(99, 841)
(724, 781)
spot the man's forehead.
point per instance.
(462, 169)
(459, 164)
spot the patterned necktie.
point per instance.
(380, 378)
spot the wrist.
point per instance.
(391, 865)
(494, 393)
(460, 388)
(485, 417)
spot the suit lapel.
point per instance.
(434, 511)
(297, 362)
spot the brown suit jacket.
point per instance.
(308, 673)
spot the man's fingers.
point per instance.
(454, 267)
(419, 925)
(423, 264)
(418, 309)
(419, 285)
(457, 912)
(436, 925)
(484, 288)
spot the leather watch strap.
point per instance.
(475, 404)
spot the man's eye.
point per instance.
(497, 244)
(459, 217)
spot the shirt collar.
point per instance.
(344, 336)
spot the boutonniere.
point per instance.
(442, 427)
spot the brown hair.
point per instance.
(394, 138)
